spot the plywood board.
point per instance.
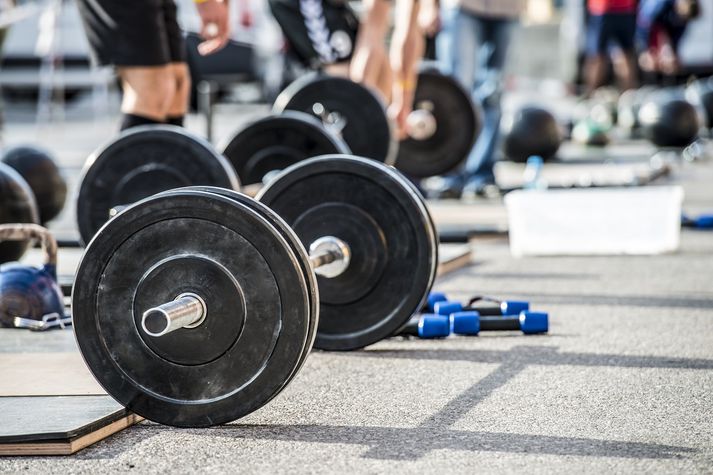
(52, 425)
(46, 374)
(452, 257)
(49, 401)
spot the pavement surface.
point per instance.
(623, 382)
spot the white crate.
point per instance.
(597, 221)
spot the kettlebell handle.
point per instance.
(32, 232)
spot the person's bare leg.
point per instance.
(179, 105)
(148, 91)
(370, 53)
(338, 69)
(624, 64)
(385, 82)
(594, 72)
(382, 83)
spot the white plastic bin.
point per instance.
(595, 221)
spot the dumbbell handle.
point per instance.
(506, 307)
(329, 257)
(486, 311)
(411, 327)
(499, 323)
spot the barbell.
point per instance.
(141, 162)
(321, 114)
(198, 305)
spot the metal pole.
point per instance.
(329, 257)
(186, 311)
(206, 89)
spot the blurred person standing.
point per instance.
(477, 34)
(429, 20)
(328, 36)
(610, 33)
(660, 26)
(143, 41)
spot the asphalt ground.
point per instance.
(623, 382)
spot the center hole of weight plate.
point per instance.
(155, 322)
(189, 309)
(366, 249)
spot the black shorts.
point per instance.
(133, 32)
(319, 32)
(610, 29)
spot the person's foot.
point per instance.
(478, 186)
(443, 187)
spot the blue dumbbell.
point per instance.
(472, 323)
(504, 307)
(427, 325)
(703, 221)
(433, 298)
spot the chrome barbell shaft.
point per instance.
(421, 124)
(329, 256)
(323, 258)
(186, 311)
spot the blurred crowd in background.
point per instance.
(582, 44)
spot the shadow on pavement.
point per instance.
(538, 355)
(435, 433)
(620, 300)
(412, 443)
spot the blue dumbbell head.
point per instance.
(704, 221)
(514, 307)
(534, 322)
(447, 307)
(435, 297)
(465, 323)
(433, 326)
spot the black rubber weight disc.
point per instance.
(258, 316)
(458, 125)
(367, 131)
(433, 231)
(17, 205)
(278, 141)
(296, 246)
(377, 213)
(141, 162)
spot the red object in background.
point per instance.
(662, 51)
(246, 14)
(658, 38)
(246, 19)
(600, 7)
(660, 55)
